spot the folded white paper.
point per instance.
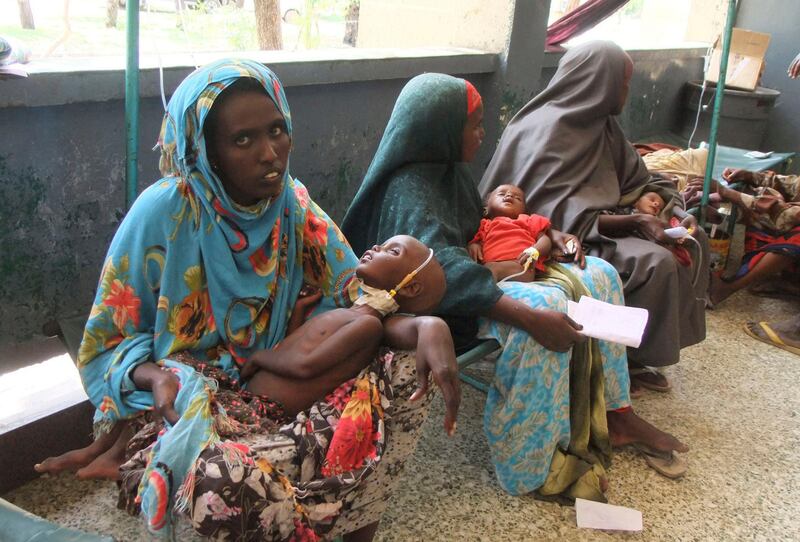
(609, 322)
(596, 515)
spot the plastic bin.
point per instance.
(743, 119)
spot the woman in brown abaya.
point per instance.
(567, 152)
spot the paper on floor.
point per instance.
(597, 515)
(609, 322)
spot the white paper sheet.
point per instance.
(597, 515)
(609, 322)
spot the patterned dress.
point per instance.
(527, 411)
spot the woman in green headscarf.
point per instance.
(544, 412)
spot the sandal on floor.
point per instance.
(772, 337)
(635, 372)
(669, 464)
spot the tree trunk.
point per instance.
(268, 24)
(112, 9)
(25, 14)
(65, 34)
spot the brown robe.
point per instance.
(567, 152)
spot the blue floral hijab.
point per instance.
(191, 270)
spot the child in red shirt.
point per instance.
(507, 237)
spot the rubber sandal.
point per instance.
(636, 371)
(669, 464)
(772, 337)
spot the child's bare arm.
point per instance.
(544, 245)
(436, 355)
(475, 251)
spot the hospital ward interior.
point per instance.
(399, 270)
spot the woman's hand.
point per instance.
(733, 175)
(568, 248)
(552, 329)
(697, 184)
(475, 252)
(435, 355)
(652, 228)
(307, 299)
(794, 68)
(164, 385)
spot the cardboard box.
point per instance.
(745, 61)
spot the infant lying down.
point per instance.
(651, 203)
(512, 244)
(327, 350)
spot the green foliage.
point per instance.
(312, 13)
(633, 8)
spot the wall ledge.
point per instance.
(551, 58)
(97, 79)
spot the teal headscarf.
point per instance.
(191, 270)
(417, 185)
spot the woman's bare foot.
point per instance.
(789, 330)
(784, 334)
(76, 459)
(107, 464)
(626, 427)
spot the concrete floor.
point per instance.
(734, 402)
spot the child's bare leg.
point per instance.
(106, 465)
(501, 270)
(75, 459)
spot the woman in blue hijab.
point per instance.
(204, 271)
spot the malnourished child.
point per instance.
(329, 349)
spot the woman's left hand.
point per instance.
(568, 248)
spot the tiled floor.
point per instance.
(734, 402)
